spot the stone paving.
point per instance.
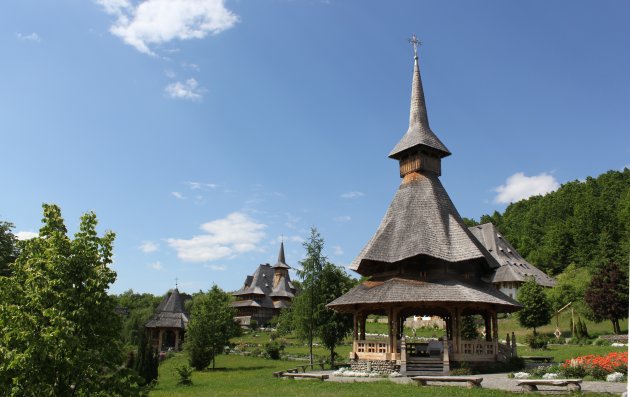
(497, 381)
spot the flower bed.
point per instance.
(597, 366)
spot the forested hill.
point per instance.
(586, 223)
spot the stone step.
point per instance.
(424, 373)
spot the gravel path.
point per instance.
(499, 381)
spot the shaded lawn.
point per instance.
(249, 376)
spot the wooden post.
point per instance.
(509, 345)
(176, 340)
(458, 333)
(390, 328)
(486, 320)
(160, 340)
(355, 331)
(514, 354)
(403, 355)
(495, 326)
(395, 331)
(363, 318)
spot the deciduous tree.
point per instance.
(210, 327)
(607, 295)
(59, 332)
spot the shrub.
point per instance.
(273, 349)
(185, 375)
(577, 371)
(253, 325)
(601, 342)
(536, 341)
(463, 369)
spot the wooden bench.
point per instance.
(530, 384)
(278, 374)
(540, 359)
(306, 376)
(472, 382)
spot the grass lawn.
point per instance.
(252, 376)
(560, 353)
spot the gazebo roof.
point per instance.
(433, 292)
(421, 220)
(513, 266)
(170, 313)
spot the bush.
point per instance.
(253, 325)
(601, 342)
(577, 371)
(598, 372)
(273, 349)
(185, 375)
(463, 369)
(536, 341)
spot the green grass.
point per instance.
(560, 353)
(248, 376)
(510, 324)
(251, 376)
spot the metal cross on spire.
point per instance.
(415, 42)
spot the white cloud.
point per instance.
(519, 186)
(349, 195)
(223, 238)
(178, 195)
(200, 185)
(156, 266)
(218, 268)
(342, 218)
(187, 90)
(26, 235)
(170, 74)
(191, 66)
(143, 24)
(148, 246)
(33, 37)
(337, 250)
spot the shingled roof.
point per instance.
(399, 290)
(170, 313)
(513, 266)
(421, 220)
(419, 132)
(282, 263)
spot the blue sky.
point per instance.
(201, 131)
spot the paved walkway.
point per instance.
(497, 381)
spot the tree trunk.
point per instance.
(616, 328)
(332, 357)
(213, 357)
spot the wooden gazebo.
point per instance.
(423, 260)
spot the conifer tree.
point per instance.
(536, 310)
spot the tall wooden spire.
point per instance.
(419, 149)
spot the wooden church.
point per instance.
(423, 260)
(265, 293)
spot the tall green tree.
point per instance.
(536, 310)
(148, 360)
(59, 332)
(321, 283)
(309, 302)
(8, 247)
(210, 327)
(570, 287)
(333, 327)
(607, 295)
